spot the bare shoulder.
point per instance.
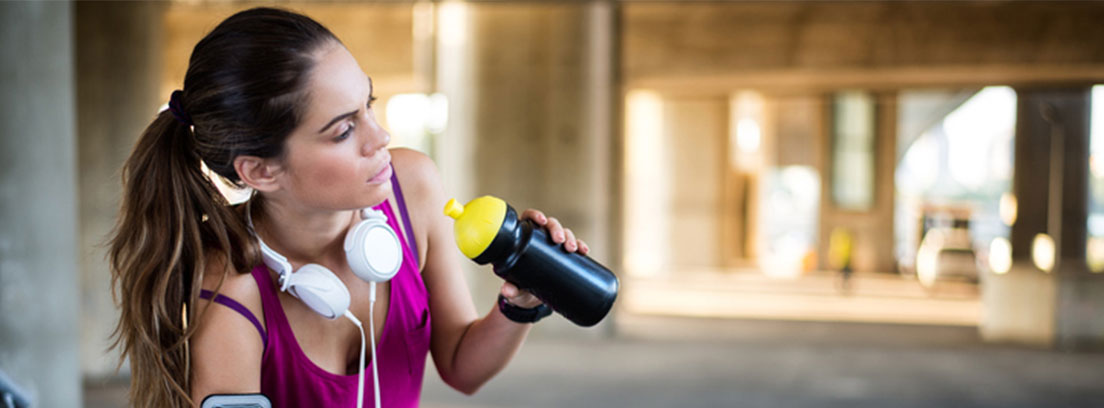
(421, 183)
(226, 348)
(416, 172)
(237, 285)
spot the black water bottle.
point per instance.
(488, 230)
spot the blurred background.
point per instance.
(872, 203)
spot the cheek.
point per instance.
(327, 169)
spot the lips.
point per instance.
(383, 175)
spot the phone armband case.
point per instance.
(236, 401)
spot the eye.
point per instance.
(348, 131)
(371, 99)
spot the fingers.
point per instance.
(519, 297)
(570, 244)
(535, 215)
(556, 231)
(509, 290)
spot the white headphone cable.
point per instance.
(372, 331)
(360, 382)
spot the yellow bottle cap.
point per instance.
(477, 223)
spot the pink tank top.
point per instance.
(290, 379)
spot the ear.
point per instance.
(258, 173)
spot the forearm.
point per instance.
(486, 347)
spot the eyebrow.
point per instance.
(342, 116)
(338, 118)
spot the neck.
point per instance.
(303, 236)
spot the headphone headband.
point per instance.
(372, 249)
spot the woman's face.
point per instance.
(337, 158)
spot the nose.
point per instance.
(377, 138)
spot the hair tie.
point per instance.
(177, 108)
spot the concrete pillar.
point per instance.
(118, 72)
(1029, 305)
(871, 229)
(38, 213)
(532, 118)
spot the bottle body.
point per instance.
(572, 284)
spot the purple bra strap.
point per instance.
(233, 304)
(402, 210)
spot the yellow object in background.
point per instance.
(839, 249)
(477, 223)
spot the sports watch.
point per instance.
(521, 314)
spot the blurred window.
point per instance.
(853, 126)
(1095, 250)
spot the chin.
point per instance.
(380, 193)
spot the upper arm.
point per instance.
(226, 349)
(450, 301)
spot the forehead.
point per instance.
(336, 85)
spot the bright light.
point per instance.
(417, 113)
(783, 259)
(972, 128)
(453, 26)
(1094, 254)
(920, 166)
(412, 117)
(1096, 168)
(1042, 252)
(1096, 122)
(1008, 208)
(927, 257)
(745, 115)
(646, 185)
(748, 135)
(437, 117)
(406, 113)
(1000, 255)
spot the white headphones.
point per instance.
(372, 249)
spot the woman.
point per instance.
(273, 101)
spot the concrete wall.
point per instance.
(696, 140)
(117, 97)
(38, 202)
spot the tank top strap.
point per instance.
(265, 285)
(237, 307)
(405, 215)
(273, 312)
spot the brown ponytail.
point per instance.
(244, 92)
(172, 219)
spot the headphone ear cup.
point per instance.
(373, 250)
(320, 289)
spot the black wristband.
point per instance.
(520, 314)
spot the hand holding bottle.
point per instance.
(559, 235)
(541, 257)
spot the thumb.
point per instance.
(509, 290)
